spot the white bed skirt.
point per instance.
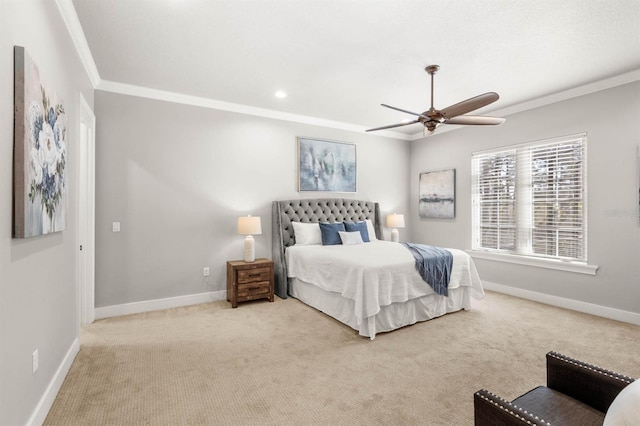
(390, 317)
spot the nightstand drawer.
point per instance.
(254, 275)
(261, 289)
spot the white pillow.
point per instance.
(307, 233)
(371, 230)
(625, 409)
(350, 238)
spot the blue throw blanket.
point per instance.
(434, 265)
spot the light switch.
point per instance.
(115, 227)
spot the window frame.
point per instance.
(522, 251)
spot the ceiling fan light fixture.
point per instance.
(453, 114)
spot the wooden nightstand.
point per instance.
(249, 281)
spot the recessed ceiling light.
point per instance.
(281, 94)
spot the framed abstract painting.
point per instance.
(39, 152)
(438, 194)
(326, 166)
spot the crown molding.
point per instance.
(163, 95)
(607, 83)
(70, 18)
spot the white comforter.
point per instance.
(373, 274)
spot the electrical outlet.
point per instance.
(34, 361)
(115, 227)
(206, 271)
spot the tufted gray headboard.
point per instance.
(312, 210)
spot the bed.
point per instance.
(372, 287)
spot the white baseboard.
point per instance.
(158, 304)
(561, 302)
(44, 405)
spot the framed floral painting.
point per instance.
(39, 152)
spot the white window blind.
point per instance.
(530, 199)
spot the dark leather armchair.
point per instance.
(577, 393)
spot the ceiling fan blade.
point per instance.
(408, 112)
(477, 120)
(393, 125)
(470, 104)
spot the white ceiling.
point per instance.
(339, 60)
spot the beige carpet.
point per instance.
(285, 363)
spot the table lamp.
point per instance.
(395, 221)
(249, 226)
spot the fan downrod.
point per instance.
(431, 70)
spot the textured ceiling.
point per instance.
(338, 60)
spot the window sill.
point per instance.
(578, 267)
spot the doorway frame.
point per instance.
(86, 213)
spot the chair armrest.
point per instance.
(491, 410)
(587, 383)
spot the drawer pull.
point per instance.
(261, 274)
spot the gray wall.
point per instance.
(609, 118)
(38, 296)
(177, 177)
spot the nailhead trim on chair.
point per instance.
(518, 412)
(591, 367)
(501, 402)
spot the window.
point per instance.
(530, 199)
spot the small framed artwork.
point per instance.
(438, 194)
(326, 166)
(39, 152)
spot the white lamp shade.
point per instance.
(395, 221)
(249, 225)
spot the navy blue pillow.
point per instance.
(330, 234)
(358, 226)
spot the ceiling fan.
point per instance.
(449, 115)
